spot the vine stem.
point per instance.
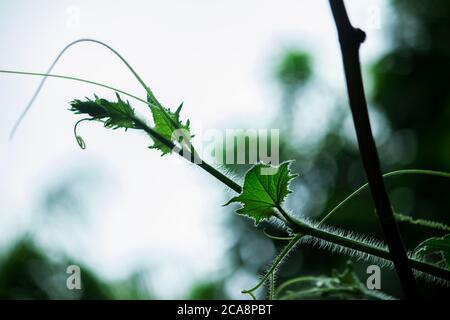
(186, 153)
(59, 76)
(296, 238)
(369, 249)
(277, 261)
(350, 40)
(188, 156)
(304, 229)
(422, 222)
(387, 175)
(150, 96)
(61, 53)
(297, 226)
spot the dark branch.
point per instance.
(350, 40)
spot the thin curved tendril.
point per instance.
(41, 84)
(150, 94)
(278, 259)
(252, 295)
(422, 222)
(386, 175)
(49, 75)
(297, 280)
(205, 166)
(80, 140)
(268, 235)
(293, 241)
(297, 238)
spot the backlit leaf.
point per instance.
(435, 245)
(263, 193)
(166, 122)
(113, 114)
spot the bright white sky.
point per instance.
(216, 56)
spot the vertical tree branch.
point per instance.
(350, 40)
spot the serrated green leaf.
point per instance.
(435, 245)
(88, 107)
(166, 122)
(262, 193)
(120, 113)
(114, 114)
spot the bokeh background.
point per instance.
(149, 227)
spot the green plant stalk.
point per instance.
(303, 229)
(186, 140)
(297, 226)
(187, 155)
(368, 249)
(41, 84)
(422, 222)
(291, 245)
(387, 175)
(58, 76)
(202, 164)
(272, 287)
(277, 261)
(270, 236)
(207, 168)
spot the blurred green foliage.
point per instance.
(294, 70)
(410, 92)
(410, 96)
(27, 273)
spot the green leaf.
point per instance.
(166, 122)
(435, 245)
(343, 285)
(113, 114)
(263, 193)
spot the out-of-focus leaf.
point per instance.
(340, 285)
(435, 245)
(295, 69)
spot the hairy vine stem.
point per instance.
(301, 229)
(297, 226)
(186, 153)
(368, 249)
(295, 239)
